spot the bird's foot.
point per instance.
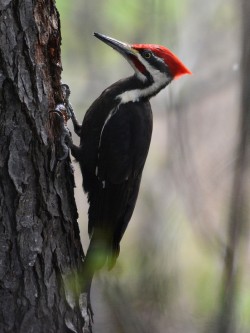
(63, 137)
(66, 93)
(69, 109)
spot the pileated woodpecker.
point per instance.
(115, 138)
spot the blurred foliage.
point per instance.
(169, 275)
(127, 20)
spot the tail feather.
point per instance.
(110, 210)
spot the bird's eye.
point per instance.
(147, 54)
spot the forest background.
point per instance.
(174, 271)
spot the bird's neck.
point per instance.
(140, 88)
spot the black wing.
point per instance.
(122, 150)
(124, 142)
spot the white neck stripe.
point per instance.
(159, 81)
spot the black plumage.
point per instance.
(114, 144)
(115, 138)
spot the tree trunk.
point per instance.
(39, 235)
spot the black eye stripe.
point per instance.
(154, 60)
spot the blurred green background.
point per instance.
(169, 276)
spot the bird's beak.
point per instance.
(123, 48)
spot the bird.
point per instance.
(115, 137)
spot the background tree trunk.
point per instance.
(238, 218)
(39, 235)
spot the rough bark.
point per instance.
(39, 235)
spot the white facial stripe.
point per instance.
(159, 81)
